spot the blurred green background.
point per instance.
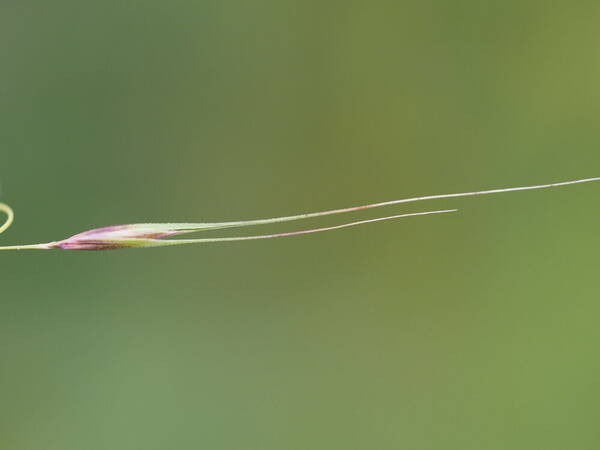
(477, 330)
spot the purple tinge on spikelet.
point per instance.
(133, 231)
(68, 245)
(115, 237)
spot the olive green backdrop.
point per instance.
(477, 330)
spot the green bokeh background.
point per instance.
(477, 330)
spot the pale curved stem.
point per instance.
(10, 217)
